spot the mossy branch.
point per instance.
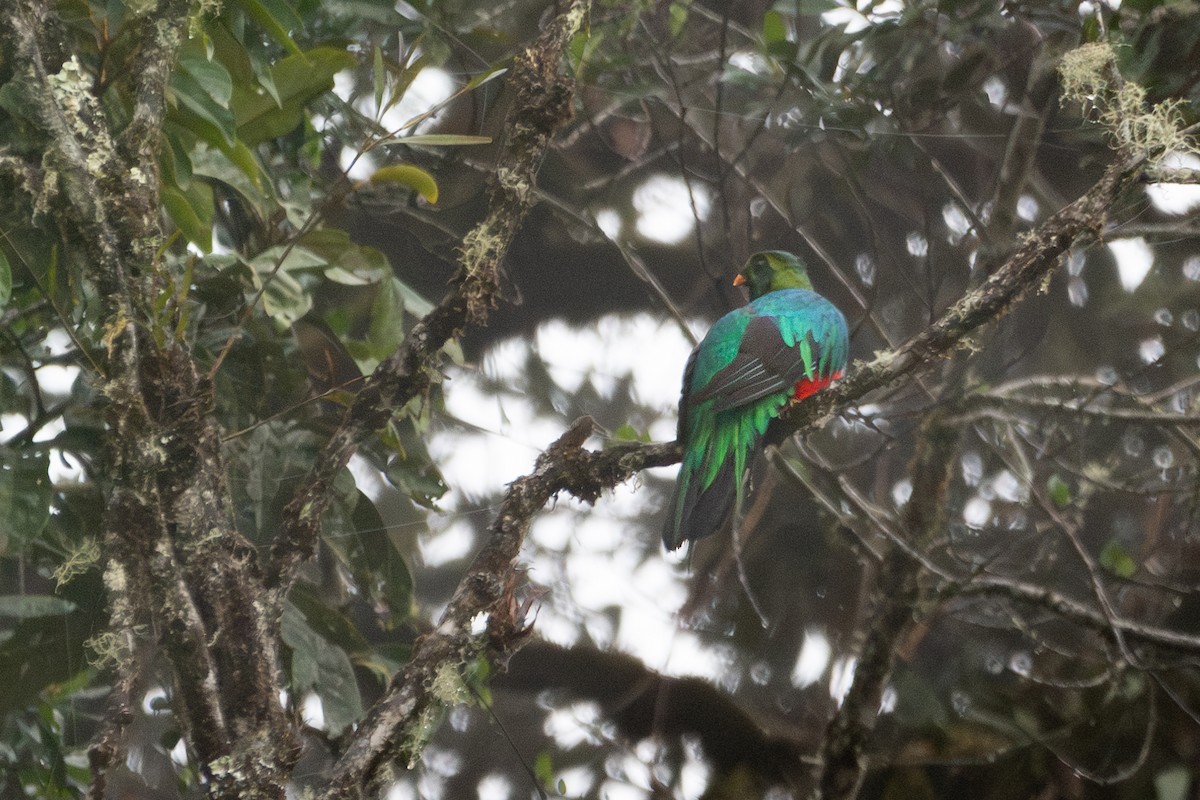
(486, 592)
(167, 509)
(544, 98)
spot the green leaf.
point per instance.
(411, 176)
(195, 98)
(543, 768)
(395, 585)
(581, 48)
(332, 625)
(298, 80)
(238, 167)
(775, 36)
(285, 298)
(351, 264)
(27, 606)
(355, 533)
(387, 327)
(25, 494)
(319, 665)
(336, 628)
(1059, 491)
(192, 212)
(679, 15)
(1117, 560)
(264, 79)
(628, 433)
(387, 320)
(411, 470)
(210, 75)
(177, 164)
(380, 80)
(230, 50)
(414, 301)
(47, 649)
(294, 259)
(277, 17)
(5, 280)
(774, 28)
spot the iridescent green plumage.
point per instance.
(785, 345)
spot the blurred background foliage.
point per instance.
(321, 164)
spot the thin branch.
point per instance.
(860, 512)
(1020, 154)
(842, 759)
(486, 592)
(632, 260)
(543, 103)
(1032, 263)
(1178, 642)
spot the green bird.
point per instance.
(787, 344)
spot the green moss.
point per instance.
(421, 731)
(448, 686)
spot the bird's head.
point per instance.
(772, 270)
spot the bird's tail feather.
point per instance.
(696, 514)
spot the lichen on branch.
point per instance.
(1090, 76)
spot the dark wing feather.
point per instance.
(688, 371)
(764, 364)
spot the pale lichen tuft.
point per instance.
(1090, 76)
(85, 555)
(140, 8)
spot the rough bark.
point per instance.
(175, 563)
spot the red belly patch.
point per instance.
(806, 388)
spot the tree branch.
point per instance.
(174, 556)
(841, 761)
(543, 103)
(1032, 263)
(434, 677)
(1178, 643)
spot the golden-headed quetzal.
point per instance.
(787, 344)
